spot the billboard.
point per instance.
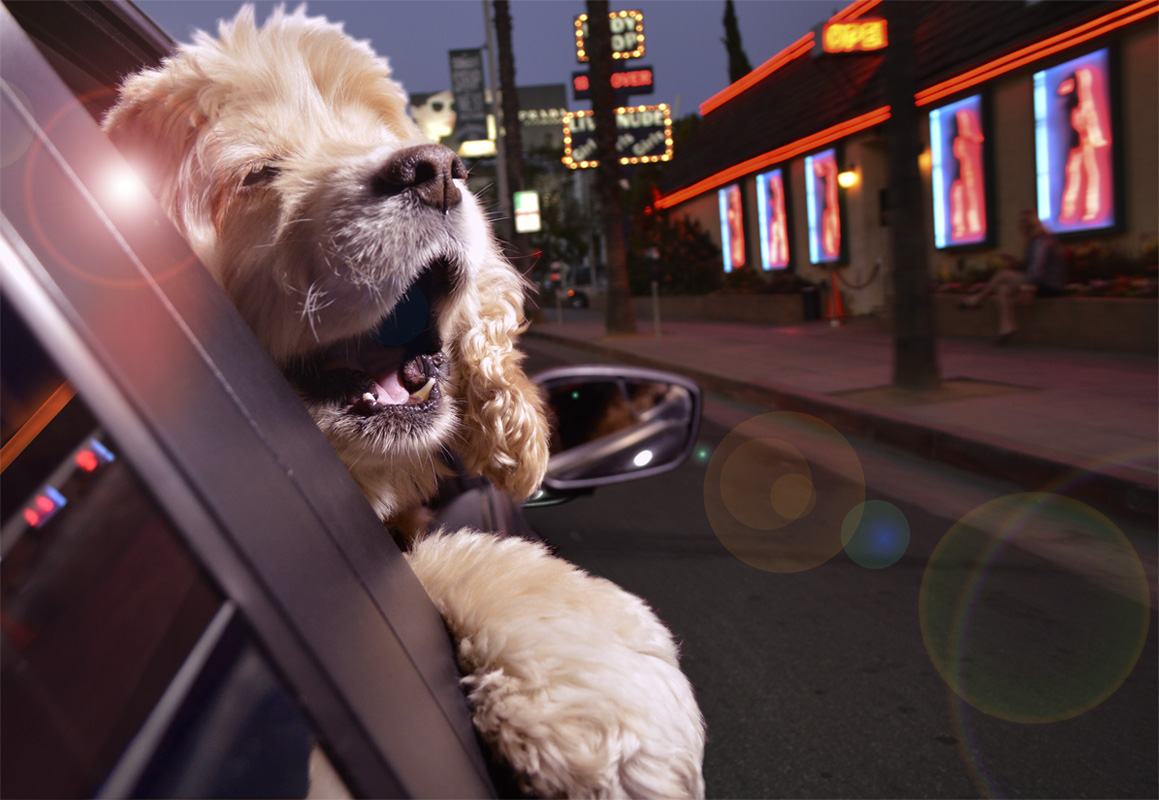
(732, 244)
(1074, 144)
(467, 87)
(959, 156)
(772, 213)
(823, 201)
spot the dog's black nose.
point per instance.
(426, 170)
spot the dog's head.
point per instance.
(349, 244)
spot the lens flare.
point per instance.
(875, 534)
(778, 488)
(1034, 608)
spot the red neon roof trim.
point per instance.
(1026, 55)
(803, 145)
(797, 48)
(854, 10)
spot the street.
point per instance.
(828, 675)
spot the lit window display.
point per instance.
(1074, 144)
(774, 221)
(824, 205)
(732, 227)
(958, 159)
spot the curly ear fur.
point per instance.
(504, 433)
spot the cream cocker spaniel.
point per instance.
(356, 254)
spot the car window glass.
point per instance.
(117, 675)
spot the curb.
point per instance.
(1119, 489)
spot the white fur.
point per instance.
(574, 680)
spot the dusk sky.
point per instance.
(684, 38)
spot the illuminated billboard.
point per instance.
(958, 173)
(732, 227)
(772, 211)
(823, 200)
(1074, 144)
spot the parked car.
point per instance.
(196, 598)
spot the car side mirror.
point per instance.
(612, 424)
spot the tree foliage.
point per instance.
(738, 62)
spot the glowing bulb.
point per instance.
(643, 458)
(847, 179)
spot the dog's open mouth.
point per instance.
(395, 369)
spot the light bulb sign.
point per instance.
(644, 135)
(627, 35)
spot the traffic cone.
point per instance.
(835, 311)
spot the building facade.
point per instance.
(1044, 106)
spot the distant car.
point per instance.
(197, 601)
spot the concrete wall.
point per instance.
(1124, 325)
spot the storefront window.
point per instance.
(732, 227)
(824, 202)
(958, 173)
(1074, 144)
(772, 209)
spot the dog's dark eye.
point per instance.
(261, 174)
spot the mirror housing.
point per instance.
(612, 424)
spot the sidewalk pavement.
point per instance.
(1079, 422)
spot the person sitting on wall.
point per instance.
(1043, 275)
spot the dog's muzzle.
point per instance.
(427, 171)
(396, 369)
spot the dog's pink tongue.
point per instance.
(381, 364)
(391, 392)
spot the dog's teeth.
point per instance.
(424, 393)
(370, 398)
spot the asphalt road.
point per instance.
(824, 668)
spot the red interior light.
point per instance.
(87, 460)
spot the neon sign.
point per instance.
(774, 221)
(732, 227)
(855, 36)
(823, 199)
(958, 159)
(631, 81)
(1074, 144)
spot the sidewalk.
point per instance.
(1080, 422)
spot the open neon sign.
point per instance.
(855, 36)
(1074, 144)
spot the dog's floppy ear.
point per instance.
(156, 119)
(504, 434)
